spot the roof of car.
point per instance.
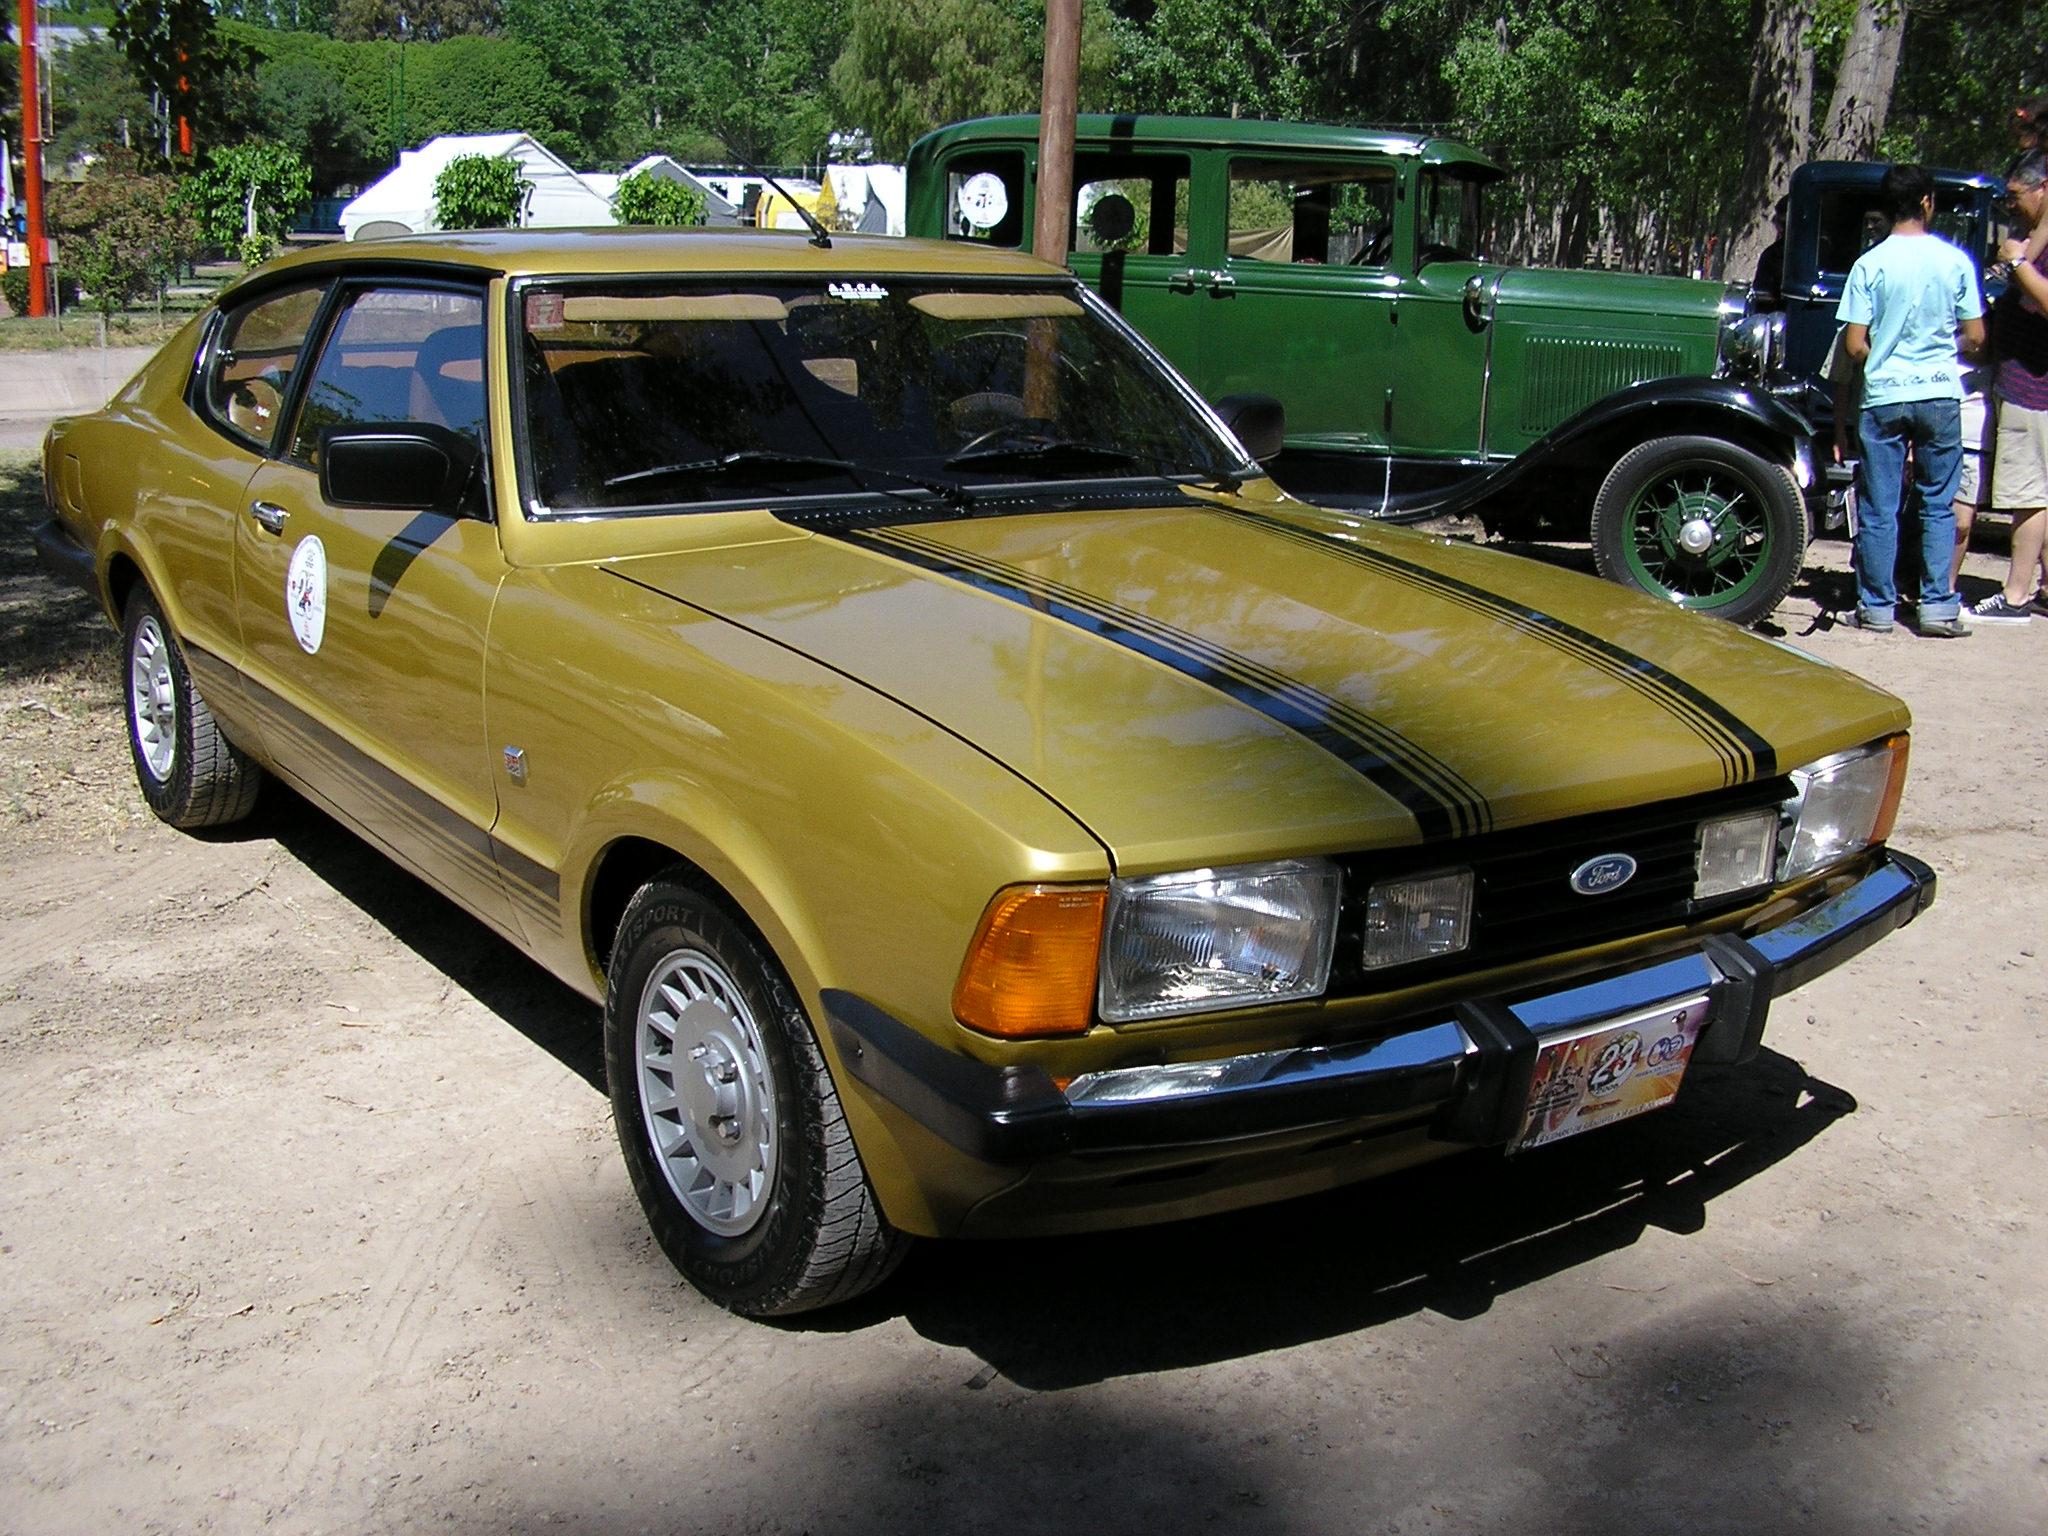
(562, 252)
(1091, 128)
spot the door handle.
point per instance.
(270, 517)
(1184, 282)
(1221, 285)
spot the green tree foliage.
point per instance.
(759, 76)
(96, 104)
(910, 65)
(246, 194)
(122, 232)
(1200, 57)
(478, 192)
(306, 108)
(422, 21)
(646, 198)
(177, 50)
(577, 44)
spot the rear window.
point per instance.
(250, 365)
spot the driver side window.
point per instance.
(1312, 213)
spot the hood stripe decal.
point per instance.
(1442, 802)
(1745, 754)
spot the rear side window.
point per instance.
(985, 198)
(1136, 204)
(250, 365)
(397, 354)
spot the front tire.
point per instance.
(732, 1131)
(188, 770)
(1703, 523)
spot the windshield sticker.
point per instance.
(544, 311)
(984, 200)
(305, 593)
(866, 293)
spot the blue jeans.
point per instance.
(1933, 431)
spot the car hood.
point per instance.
(1216, 682)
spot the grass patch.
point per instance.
(81, 328)
(64, 769)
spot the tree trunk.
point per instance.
(1863, 89)
(1777, 130)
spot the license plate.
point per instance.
(1609, 1071)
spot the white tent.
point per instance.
(870, 197)
(402, 203)
(717, 210)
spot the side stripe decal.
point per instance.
(1745, 754)
(1442, 802)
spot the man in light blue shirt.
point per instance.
(1908, 300)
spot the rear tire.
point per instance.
(1702, 523)
(188, 770)
(732, 1131)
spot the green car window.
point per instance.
(1335, 213)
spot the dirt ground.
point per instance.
(311, 1219)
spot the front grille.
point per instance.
(1522, 900)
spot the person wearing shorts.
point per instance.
(1973, 487)
(2019, 340)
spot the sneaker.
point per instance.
(1856, 618)
(1943, 629)
(2041, 599)
(2000, 609)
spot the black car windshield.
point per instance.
(678, 393)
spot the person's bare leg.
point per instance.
(2027, 554)
(1966, 516)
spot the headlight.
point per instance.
(1841, 805)
(1747, 342)
(1218, 938)
(1418, 918)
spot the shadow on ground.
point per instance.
(45, 627)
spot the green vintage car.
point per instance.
(1341, 271)
(980, 800)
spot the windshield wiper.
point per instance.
(746, 458)
(1035, 449)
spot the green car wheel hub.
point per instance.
(1698, 533)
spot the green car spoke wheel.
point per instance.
(1703, 523)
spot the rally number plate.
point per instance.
(1609, 1071)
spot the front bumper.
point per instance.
(1467, 1075)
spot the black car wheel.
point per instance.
(190, 773)
(733, 1133)
(1704, 523)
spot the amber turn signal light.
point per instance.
(1895, 788)
(1031, 968)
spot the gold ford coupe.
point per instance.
(980, 800)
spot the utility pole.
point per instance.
(32, 165)
(1058, 96)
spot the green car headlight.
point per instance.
(1841, 805)
(1218, 938)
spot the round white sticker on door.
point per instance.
(305, 593)
(984, 200)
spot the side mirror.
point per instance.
(1259, 422)
(402, 466)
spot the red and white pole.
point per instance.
(32, 165)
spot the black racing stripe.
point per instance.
(456, 836)
(1468, 806)
(1293, 707)
(1749, 754)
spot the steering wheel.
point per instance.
(1023, 431)
(1376, 250)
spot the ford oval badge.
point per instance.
(1609, 872)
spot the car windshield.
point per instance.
(676, 393)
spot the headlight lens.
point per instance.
(1841, 805)
(1746, 342)
(1418, 918)
(1218, 938)
(1735, 853)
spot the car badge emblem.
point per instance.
(1608, 872)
